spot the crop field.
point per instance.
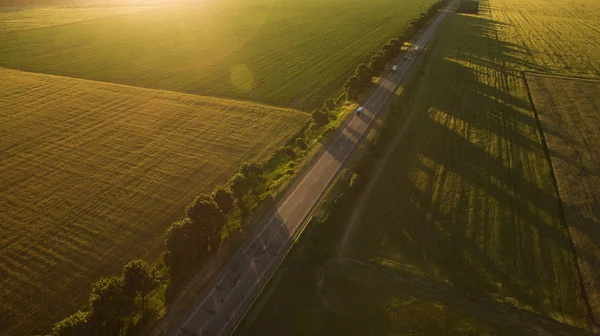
(14, 19)
(94, 173)
(549, 36)
(568, 111)
(461, 232)
(279, 52)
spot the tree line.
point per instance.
(189, 243)
(116, 301)
(364, 72)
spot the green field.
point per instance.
(14, 19)
(461, 232)
(280, 52)
(568, 110)
(94, 173)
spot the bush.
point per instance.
(301, 143)
(354, 180)
(289, 151)
(74, 325)
(320, 118)
(329, 105)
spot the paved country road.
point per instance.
(227, 299)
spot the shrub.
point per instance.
(74, 325)
(320, 118)
(301, 143)
(289, 151)
(329, 105)
(354, 180)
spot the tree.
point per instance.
(351, 87)
(254, 172)
(109, 304)
(207, 220)
(74, 325)
(138, 278)
(320, 118)
(240, 186)
(224, 199)
(329, 105)
(377, 62)
(180, 245)
(364, 75)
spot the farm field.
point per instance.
(94, 173)
(568, 110)
(461, 232)
(285, 52)
(14, 19)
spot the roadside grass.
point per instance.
(568, 111)
(465, 214)
(20, 18)
(93, 174)
(284, 52)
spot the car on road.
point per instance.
(394, 68)
(359, 110)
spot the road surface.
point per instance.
(228, 298)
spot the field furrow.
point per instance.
(93, 173)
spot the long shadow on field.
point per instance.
(471, 201)
(375, 279)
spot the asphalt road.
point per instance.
(227, 299)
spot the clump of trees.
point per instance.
(189, 243)
(112, 300)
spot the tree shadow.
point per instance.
(489, 219)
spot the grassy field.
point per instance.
(93, 174)
(462, 232)
(568, 111)
(14, 19)
(280, 52)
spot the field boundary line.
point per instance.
(170, 92)
(154, 7)
(560, 76)
(590, 316)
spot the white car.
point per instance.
(394, 68)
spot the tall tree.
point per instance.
(254, 172)
(364, 74)
(352, 87)
(224, 199)
(138, 278)
(109, 304)
(377, 62)
(240, 186)
(207, 220)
